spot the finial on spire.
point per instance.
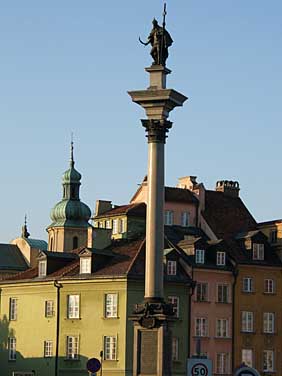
(71, 157)
(25, 233)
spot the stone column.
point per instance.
(152, 335)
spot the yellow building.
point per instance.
(73, 305)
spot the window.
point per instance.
(48, 349)
(72, 347)
(273, 236)
(13, 314)
(201, 327)
(85, 265)
(110, 348)
(200, 256)
(258, 251)
(268, 360)
(269, 286)
(168, 220)
(222, 293)
(75, 242)
(222, 363)
(42, 268)
(220, 258)
(247, 357)
(175, 345)
(222, 328)
(202, 292)
(101, 224)
(171, 267)
(174, 300)
(108, 224)
(268, 322)
(73, 306)
(247, 321)
(185, 219)
(248, 284)
(111, 305)
(12, 348)
(49, 308)
(122, 224)
(115, 226)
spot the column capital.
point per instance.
(156, 130)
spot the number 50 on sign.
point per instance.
(199, 367)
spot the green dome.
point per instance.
(70, 212)
(71, 176)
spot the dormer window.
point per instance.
(85, 265)
(200, 256)
(171, 267)
(258, 251)
(42, 268)
(220, 258)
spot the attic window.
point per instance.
(220, 258)
(258, 251)
(171, 267)
(42, 268)
(85, 265)
(200, 256)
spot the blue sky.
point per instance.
(66, 66)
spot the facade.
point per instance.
(273, 231)
(81, 301)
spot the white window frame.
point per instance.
(247, 357)
(268, 366)
(85, 265)
(12, 348)
(72, 348)
(49, 308)
(247, 322)
(269, 286)
(110, 347)
(222, 328)
(111, 305)
(175, 349)
(168, 217)
(202, 292)
(222, 363)
(258, 251)
(220, 258)
(73, 306)
(108, 224)
(115, 227)
(273, 236)
(268, 322)
(185, 219)
(171, 267)
(13, 309)
(221, 287)
(200, 256)
(42, 268)
(122, 226)
(201, 327)
(248, 284)
(174, 300)
(48, 349)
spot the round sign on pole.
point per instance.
(93, 365)
(246, 371)
(199, 369)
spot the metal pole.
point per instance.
(58, 287)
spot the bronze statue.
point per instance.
(160, 41)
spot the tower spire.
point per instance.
(71, 153)
(25, 233)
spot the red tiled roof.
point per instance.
(138, 210)
(179, 195)
(226, 215)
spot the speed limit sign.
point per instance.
(199, 367)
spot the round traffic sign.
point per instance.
(246, 371)
(93, 365)
(199, 369)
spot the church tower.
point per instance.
(70, 216)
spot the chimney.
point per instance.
(102, 207)
(229, 187)
(187, 182)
